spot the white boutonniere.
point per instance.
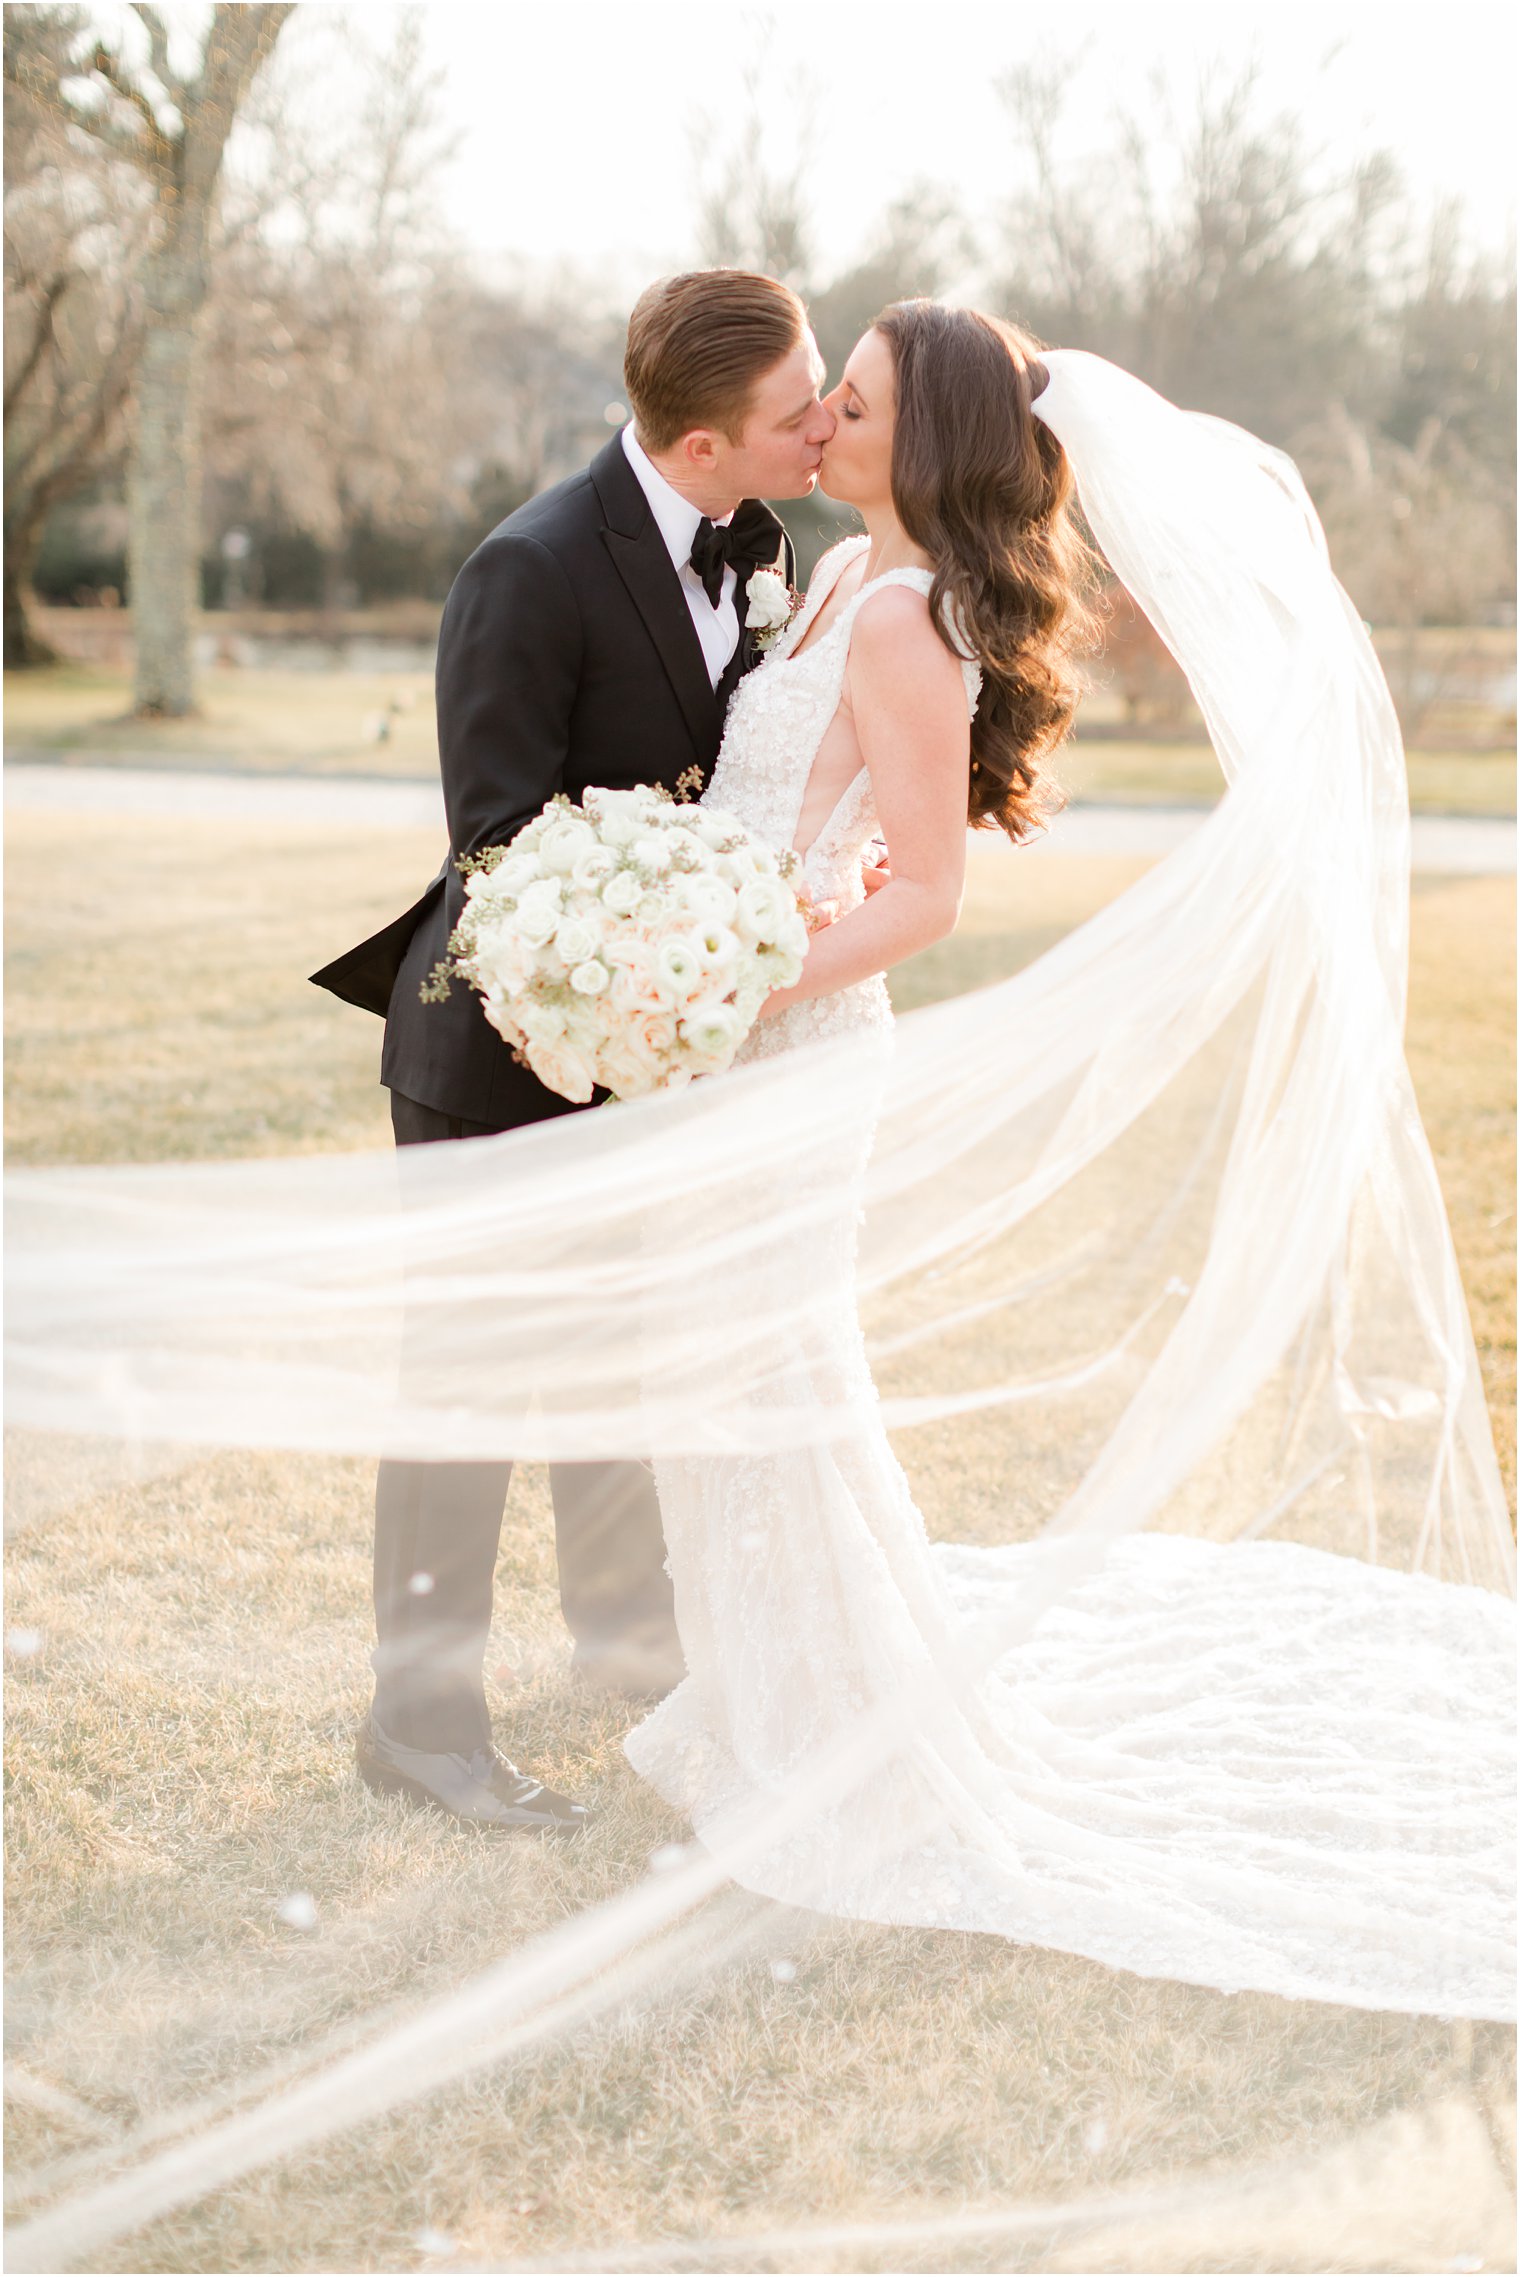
(770, 608)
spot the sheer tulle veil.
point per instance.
(1150, 1235)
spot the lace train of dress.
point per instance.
(1194, 1762)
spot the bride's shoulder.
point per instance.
(895, 645)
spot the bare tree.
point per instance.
(1225, 263)
(1211, 253)
(334, 388)
(752, 202)
(1419, 538)
(175, 130)
(74, 228)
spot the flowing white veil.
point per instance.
(1150, 1242)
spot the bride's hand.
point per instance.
(777, 1001)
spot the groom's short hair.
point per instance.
(698, 346)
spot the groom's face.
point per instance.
(778, 453)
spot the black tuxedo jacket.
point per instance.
(566, 657)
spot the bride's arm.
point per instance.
(909, 704)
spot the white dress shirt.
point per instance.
(717, 628)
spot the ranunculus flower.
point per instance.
(717, 945)
(563, 844)
(594, 868)
(715, 827)
(712, 1027)
(763, 910)
(680, 962)
(710, 901)
(652, 853)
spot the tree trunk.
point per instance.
(24, 645)
(164, 479)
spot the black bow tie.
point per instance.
(753, 536)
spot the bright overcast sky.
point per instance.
(574, 115)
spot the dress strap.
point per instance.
(921, 580)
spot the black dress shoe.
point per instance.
(484, 1789)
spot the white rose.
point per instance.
(499, 1014)
(770, 603)
(589, 978)
(517, 871)
(541, 1023)
(623, 893)
(619, 828)
(563, 1068)
(763, 910)
(652, 853)
(684, 844)
(546, 890)
(505, 962)
(622, 1077)
(577, 940)
(535, 922)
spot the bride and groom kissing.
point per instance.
(597, 637)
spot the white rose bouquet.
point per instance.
(628, 941)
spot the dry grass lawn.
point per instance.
(318, 722)
(178, 1761)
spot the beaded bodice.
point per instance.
(778, 719)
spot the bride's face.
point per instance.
(857, 460)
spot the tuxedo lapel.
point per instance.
(632, 537)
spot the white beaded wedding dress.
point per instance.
(1200, 1759)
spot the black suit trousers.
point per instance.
(437, 1533)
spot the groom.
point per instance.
(594, 637)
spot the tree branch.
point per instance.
(237, 44)
(158, 52)
(154, 152)
(53, 292)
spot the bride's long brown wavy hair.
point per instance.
(984, 488)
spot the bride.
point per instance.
(1221, 1691)
(1207, 1751)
